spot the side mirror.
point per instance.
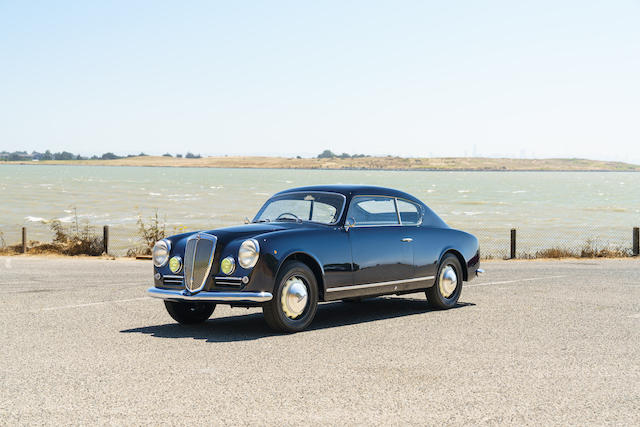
(246, 220)
(350, 222)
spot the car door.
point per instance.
(426, 248)
(380, 250)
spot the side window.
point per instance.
(373, 210)
(410, 213)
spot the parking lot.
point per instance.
(534, 342)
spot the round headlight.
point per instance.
(248, 253)
(175, 264)
(161, 253)
(228, 265)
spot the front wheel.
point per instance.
(446, 291)
(295, 299)
(189, 313)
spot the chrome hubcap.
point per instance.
(448, 281)
(294, 297)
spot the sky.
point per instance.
(409, 78)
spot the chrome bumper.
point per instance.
(220, 297)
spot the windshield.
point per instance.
(324, 208)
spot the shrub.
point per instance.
(73, 240)
(149, 234)
(592, 250)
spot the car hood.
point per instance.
(226, 234)
(245, 231)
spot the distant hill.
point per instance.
(370, 163)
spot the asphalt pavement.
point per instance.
(531, 342)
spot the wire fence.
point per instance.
(495, 242)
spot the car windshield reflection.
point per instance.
(318, 207)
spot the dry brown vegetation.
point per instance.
(75, 239)
(591, 249)
(149, 234)
(375, 163)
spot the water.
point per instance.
(547, 208)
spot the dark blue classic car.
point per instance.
(312, 244)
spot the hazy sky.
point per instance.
(541, 78)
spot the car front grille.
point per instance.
(198, 258)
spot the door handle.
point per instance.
(407, 239)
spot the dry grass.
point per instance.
(591, 249)
(376, 163)
(74, 239)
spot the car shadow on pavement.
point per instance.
(330, 315)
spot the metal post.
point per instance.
(513, 243)
(24, 240)
(105, 239)
(636, 241)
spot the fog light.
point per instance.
(175, 264)
(228, 265)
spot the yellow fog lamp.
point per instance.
(228, 265)
(175, 264)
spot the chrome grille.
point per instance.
(198, 257)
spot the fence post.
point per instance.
(24, 240)
(105, 239)
(636, 241)
(513, 243)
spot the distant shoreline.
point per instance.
(442, 164)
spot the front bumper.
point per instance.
(216, 297)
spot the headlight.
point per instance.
(228, 265)
(161, 253)
(248, 253)
(175, 264)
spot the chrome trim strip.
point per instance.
(221, 297)
(395, 203)
(371, 285)
(229, 279)
(170, 277)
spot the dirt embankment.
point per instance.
(368, 163)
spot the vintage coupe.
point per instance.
(312, 244)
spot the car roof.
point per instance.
(349, 190)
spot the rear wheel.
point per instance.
(189, 313)
(446, 291)
(295, 299)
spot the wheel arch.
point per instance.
(312, 262)
(463, 262)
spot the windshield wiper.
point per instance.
(262, 220)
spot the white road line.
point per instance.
(513, 281)
(88, 304)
